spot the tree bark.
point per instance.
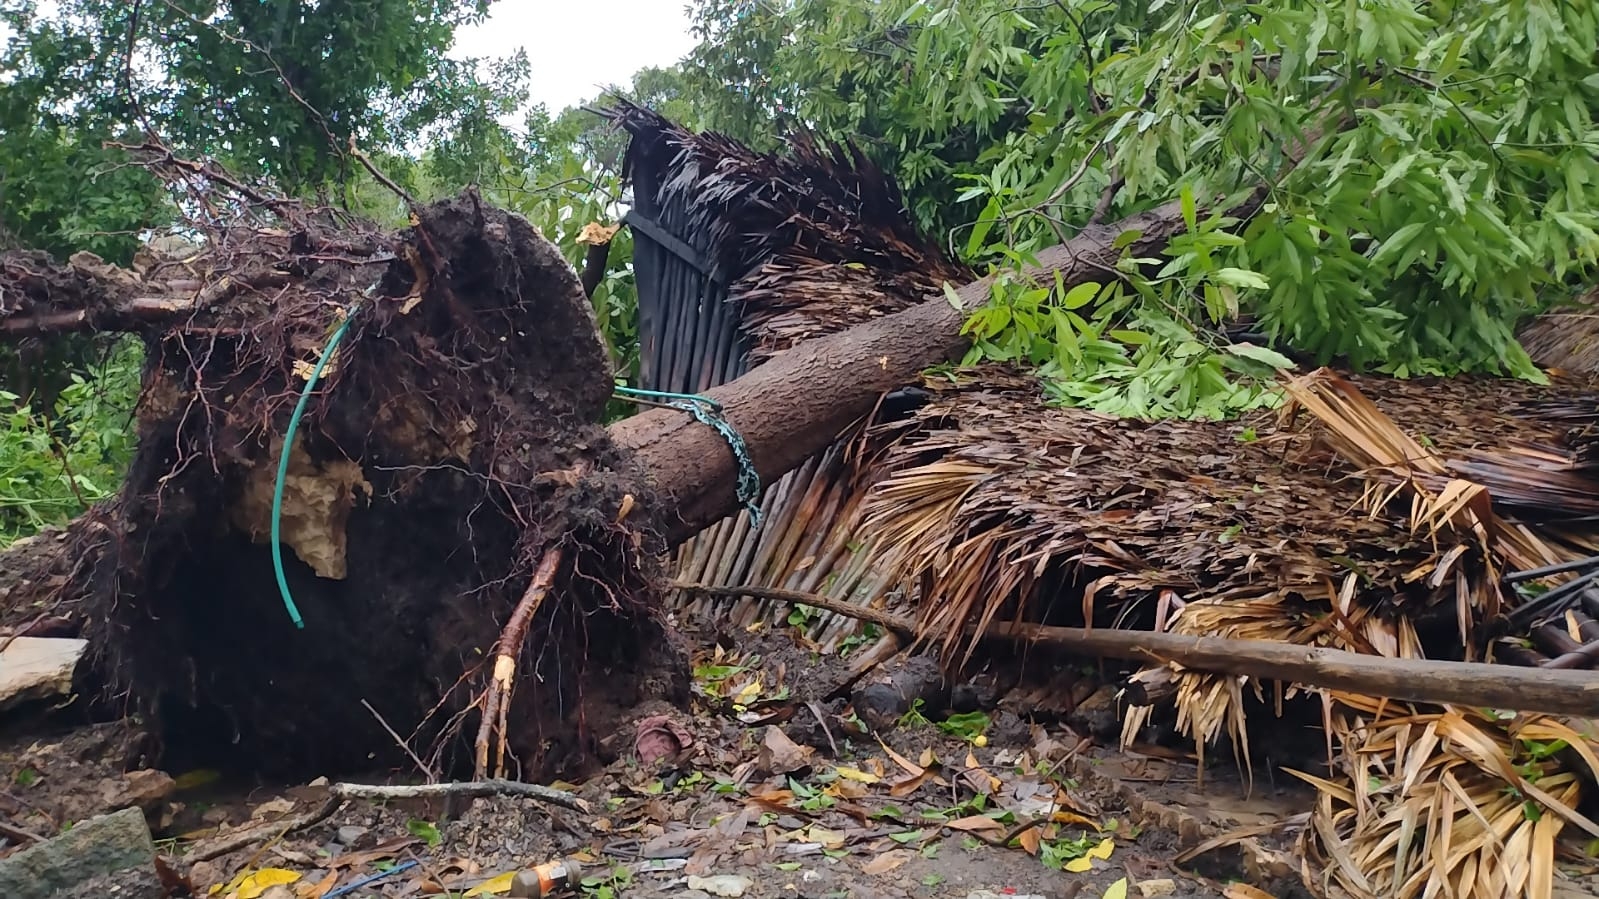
(803, 398)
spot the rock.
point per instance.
(206, 874)
(98, 847)
(38, 668)
(892, 692)
(147, 790)
(1097, 715)
(1149, 889)
(730, 886)
(349, 834)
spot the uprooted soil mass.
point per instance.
(454, 439)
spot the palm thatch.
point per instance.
(1446, 803)
(1337, 528)
(1566, 337)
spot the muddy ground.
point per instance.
(743, 795)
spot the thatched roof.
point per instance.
(809, 242)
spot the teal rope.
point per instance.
(709, 412)
(283, 468)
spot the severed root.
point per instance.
(496, 700)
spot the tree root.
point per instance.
(496, 698)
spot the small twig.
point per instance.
(1102, 208)
(816, 710)
(466, 789)
(18, 833)
(426, 771)
(496, 700)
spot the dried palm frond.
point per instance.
(1445, 803)
(993, 502)
(1396, 464)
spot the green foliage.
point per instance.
(1447, 191)
(55, 461)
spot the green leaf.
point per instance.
(1238, 277)
(1080, 296)
(1261, 354)
(423, 830)
(1189, 214)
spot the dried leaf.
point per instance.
(1029, 840)
(780, 755)
(887, 862)
(974, 823)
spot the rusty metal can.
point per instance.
(549, 879)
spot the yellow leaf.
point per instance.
(1117, 890)
(251, 886)
(1079, 865)
(1103, 850)
(830, 839)
(750, 693)
(857, 775)
(499, 883)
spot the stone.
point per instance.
(38, 668)
(109, 845)
(1150, 889)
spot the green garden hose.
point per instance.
(283, 468)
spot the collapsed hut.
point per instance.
(975, 503)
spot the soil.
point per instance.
(727, 790)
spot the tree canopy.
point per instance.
(1431, 167)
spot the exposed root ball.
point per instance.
(455, 436)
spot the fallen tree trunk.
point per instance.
(1467, 684)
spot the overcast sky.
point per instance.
(575, 47)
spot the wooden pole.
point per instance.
(1470, 684)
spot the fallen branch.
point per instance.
(461, 789)
(1469, 684)
(496, 699)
